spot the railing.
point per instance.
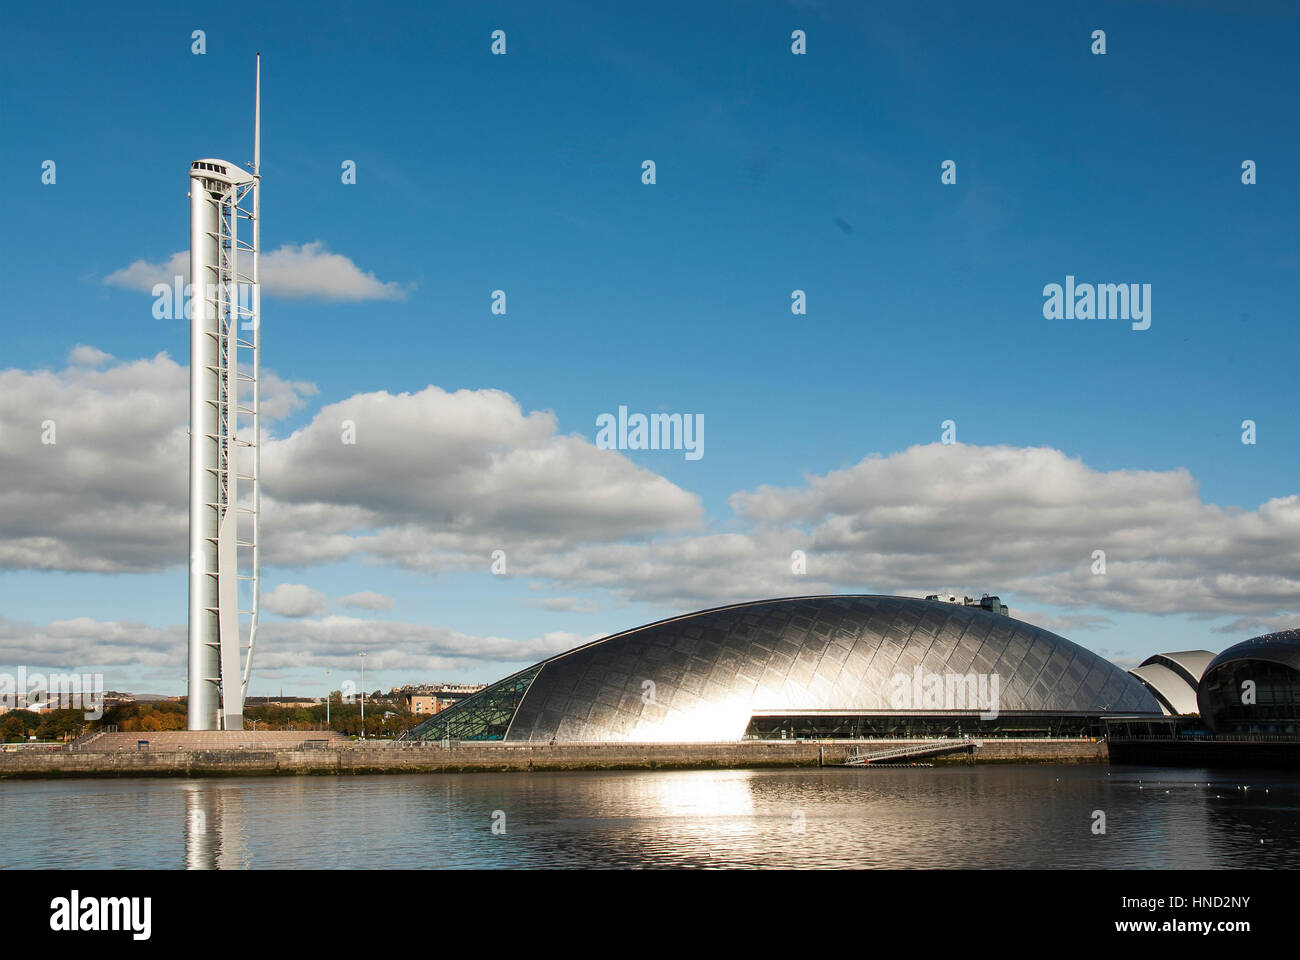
(29, 746)
(396, 744)
(86, 738)
(861, 758)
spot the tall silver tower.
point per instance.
(225, 432)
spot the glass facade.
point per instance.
(922, 726)
(1254, 687)
(723, 674)
(1274, 705)
(484, 716)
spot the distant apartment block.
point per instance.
(427, 699)
(294, 703)
(423, 704)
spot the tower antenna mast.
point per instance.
(225, 432)
(257, 373)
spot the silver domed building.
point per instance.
(805, 667)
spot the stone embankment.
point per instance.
(306, 753)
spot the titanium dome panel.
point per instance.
(701, 676)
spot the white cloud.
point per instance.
(568, 605)
(1257, 626)
(331, 642)
(141, 274)
(311, 271)
(438, 481)
(296, 600)
(109, 494)
(435, 480)
(367, 600)
(79, 643)
(1019, 522)
(84, 356)
(335, 641)
(1027, 520)
(1067, 625)
(300, 271)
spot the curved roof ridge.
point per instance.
(1190, 664)
(719, 609)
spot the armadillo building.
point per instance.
(1174, 678)
(806, 667)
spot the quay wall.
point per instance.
(355, 758)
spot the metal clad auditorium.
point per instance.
(854, 667)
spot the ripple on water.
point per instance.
(964, 817)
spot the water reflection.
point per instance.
(214, 826)
(971, 817)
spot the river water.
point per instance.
(960, 817)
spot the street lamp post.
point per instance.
(327, 699)
(363, 695)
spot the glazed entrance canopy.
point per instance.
(704, 676)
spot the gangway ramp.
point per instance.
(864, 758)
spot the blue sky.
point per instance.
(775, 172)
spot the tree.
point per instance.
(18, 725)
